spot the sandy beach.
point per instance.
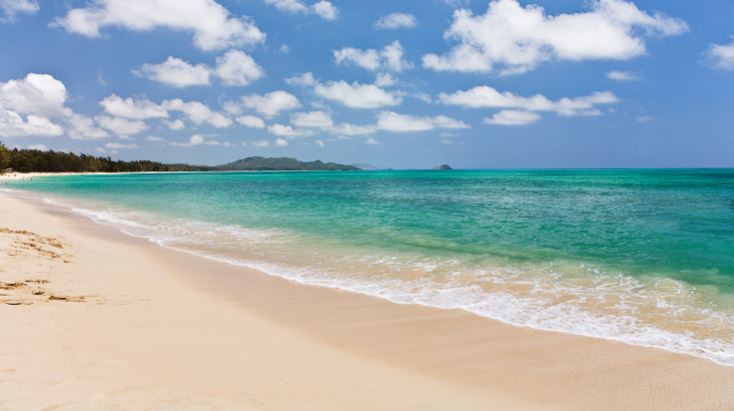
(93, 319)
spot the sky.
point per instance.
(402, 84)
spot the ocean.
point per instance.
(644, 257)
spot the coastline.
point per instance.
(279, 345)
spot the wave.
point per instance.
(651, 312)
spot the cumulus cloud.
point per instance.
(348, 129)
(513, 118)
(132, 108)
(516, 39)
(389, 58)
(13, 124)
(251, 121)
(488, 97)
(38, 147)
(27, 106)
(305, 79)
(283, 130)
(281, 142)
(271, 104)
(617, 75)
(212, 25)
(197, 140)
(84, 128)
(401, 123)
(312, 119)
(198, 113)
(121, 146)
(234, 68)
(721, 56)
(177, 73)
(357, 95)
(38, 94)
(121, 126)
(155, 139)
(176, 124)
(396, 21)
(324, 9)
(11, 8)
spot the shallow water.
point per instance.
(640, 256)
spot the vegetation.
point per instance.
(26, 160)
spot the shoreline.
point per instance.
(457, 354)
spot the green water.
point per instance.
(647, 256)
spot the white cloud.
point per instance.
(198, 112)
(212, 25)
(516, 39)
(312, 119)
(197, 140)
(120, 146)
(121, 126)
(12, 124)
(347, 129)
(385, 80)
(234, 68)
(176, 124)
(400, 123)
(271, 104)
(39, 147)
(289, 6)
(319, 143)
(131, 108)
(305, 79)
(38, 94)
(356, 95)
(260, 143)
(324, 9)
(389, 58)
(488, 97)
(281, 142)
(644, 119)
(721, 56)
(27, 106)
(177, 73)
(11, 8)
(513, 118)
(371, 141)
(251, 121)
(396, 21)
(155, 139)
(282, 130)
(83, 128)
(617, 75)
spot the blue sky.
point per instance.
(476, 84)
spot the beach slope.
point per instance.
(93, 319)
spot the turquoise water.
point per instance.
(640, 256)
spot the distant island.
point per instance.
(443, 167)
(27, 161)
(282, 163)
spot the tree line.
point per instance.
(28, 160)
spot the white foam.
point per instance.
(533, 311)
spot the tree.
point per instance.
(4, 157)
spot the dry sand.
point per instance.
(93, 319)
